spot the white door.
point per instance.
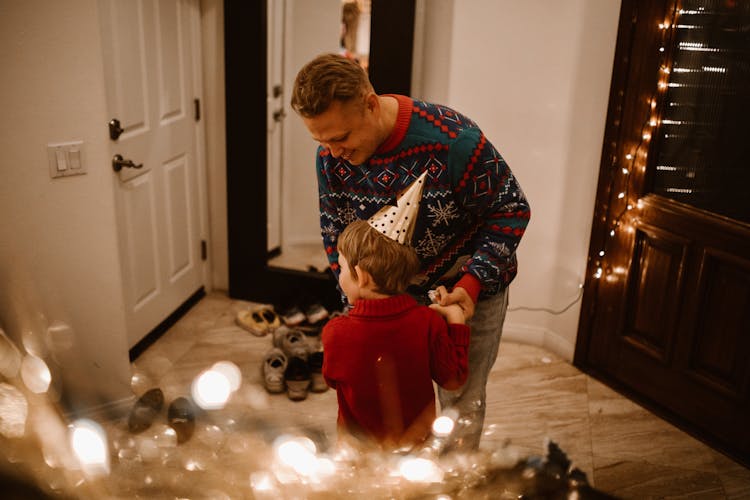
(151, 53)
(275, 120)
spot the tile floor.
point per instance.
(532, 395)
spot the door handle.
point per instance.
(118, 162)
(115, 129)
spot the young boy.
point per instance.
(383, 355)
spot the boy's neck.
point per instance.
(370, 294)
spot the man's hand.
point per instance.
(458, 296)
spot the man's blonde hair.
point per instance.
(391, 264)
(328, 78)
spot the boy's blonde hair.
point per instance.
(328, 78)
(391, 264)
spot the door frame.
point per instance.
(245, 40)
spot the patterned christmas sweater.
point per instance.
(473, 212)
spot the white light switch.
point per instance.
(65, 159)
(60, 158)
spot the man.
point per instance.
(473, 211)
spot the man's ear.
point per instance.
(364, 279)
(372, 102)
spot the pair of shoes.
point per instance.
(292, 342)
(297, 378)
(180, 414)
(315, 363)
(274, 366)
(259, 321)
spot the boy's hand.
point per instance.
(458, 296)
(452, 313)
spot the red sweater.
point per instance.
(382, 358)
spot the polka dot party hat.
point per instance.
(397, 222)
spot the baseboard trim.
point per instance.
(540, 337)
(165, 325)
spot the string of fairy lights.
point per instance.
(635, 159)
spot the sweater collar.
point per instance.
(382, 307)
(402, 124)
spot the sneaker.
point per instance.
(292, 316)
(315, 313)
(181, 418)
(145, 410)
(292, 341)
(297, 378)
(315, 362)
(274, 365)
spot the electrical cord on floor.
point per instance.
(548, 310)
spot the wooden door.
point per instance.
(150, 51)
(666, 312)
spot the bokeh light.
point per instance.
(89, 443)
(35, 374)
(211, 390)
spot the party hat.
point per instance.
(397, 222)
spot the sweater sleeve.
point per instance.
(449, 353)
(486, 187)
(331, 224)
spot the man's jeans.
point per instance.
(470, 400)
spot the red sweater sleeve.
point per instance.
(449, 353)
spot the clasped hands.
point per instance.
(444, 302)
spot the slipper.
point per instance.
(253, 322)
(270, 316)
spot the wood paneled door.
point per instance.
(666, 310)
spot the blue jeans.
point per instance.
(470, 400)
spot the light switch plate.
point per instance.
(65, 159)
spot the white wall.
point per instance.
(535, 75)
(58, 246)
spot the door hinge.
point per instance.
(197, 103)
(204, 250)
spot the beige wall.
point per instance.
(58, 247)
(535, 75)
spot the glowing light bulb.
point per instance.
(598, 273)
(621, 196)
(625, 171)
(612, 232)
(628, 156)
(646, 136)
(601, 253)
(211, 390)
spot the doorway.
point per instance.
(666, 310)
(246, 38)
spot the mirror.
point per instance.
(260, 182)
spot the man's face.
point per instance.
(348, 130)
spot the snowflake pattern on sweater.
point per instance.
(473, 211)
